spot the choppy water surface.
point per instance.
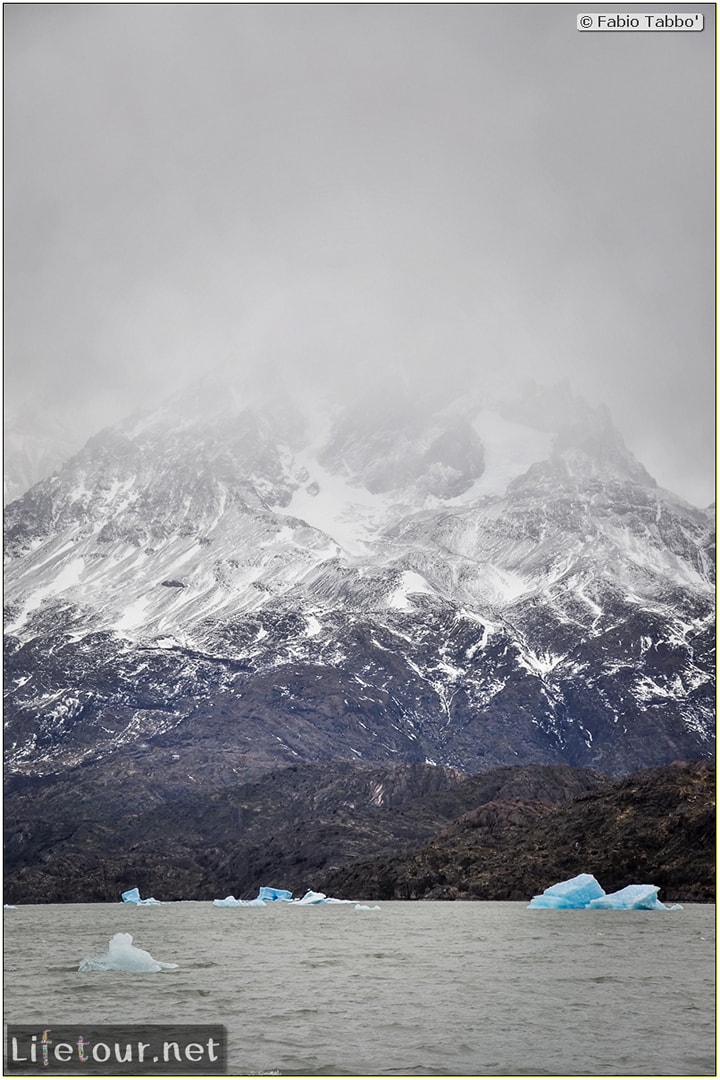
(416, 988)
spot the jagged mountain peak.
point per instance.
(219, 407)
(588, 449)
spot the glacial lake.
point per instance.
(413, 989)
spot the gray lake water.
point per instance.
(416, 988)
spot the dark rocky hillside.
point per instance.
(656, 826)
(90, 833)
(356, 831)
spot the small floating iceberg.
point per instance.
(585, 892)
(230, 901)
(364, 907)
(266, 893)
(311, 897)
(132, 896)
(122, 955)
(9, 907)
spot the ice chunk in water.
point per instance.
(364, 907)
(132, 896)
(584, 891)
(634, 898)
(122, 955)
(230, 901)
(576, 892)
(311, 897)
(266, 893)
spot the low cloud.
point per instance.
(453, 190)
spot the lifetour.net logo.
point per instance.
(132, 1050)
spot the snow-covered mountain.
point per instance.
(468, 582)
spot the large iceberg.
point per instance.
(576, 892)
(122, 955)
(132, 896)
(585, 892)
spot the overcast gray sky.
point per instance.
(457, 188)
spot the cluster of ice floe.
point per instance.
(122, 955)
(584, 891)
(268, 895)
(580, 892)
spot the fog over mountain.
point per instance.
(328, 192)
(457, 580)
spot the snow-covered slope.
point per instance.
(466, 582)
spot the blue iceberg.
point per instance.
(266, 893)
(634, 898)
(576, 892)
(132, 896)
(122, 955)
(585, 892)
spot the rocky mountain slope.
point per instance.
(252, 578)
(76, 836)
(406, 832)
(654, 827)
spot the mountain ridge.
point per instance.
(655, 826)
(380, 585)
(356, 831)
